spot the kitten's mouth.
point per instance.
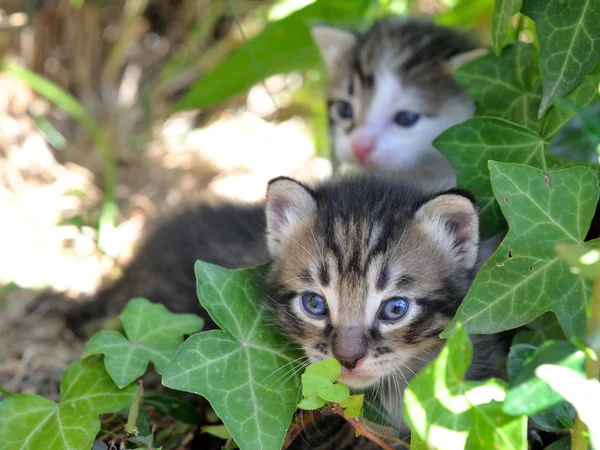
(356, 379)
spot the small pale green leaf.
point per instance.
(153, 334)
(530, 395)
(503, 11)
(470, 145)
(313, 383)
(582, 259)
(585, 94)
(569, 39)
(334, 393)
(329, 369)
(353, 405)
(583, 394)
(219, 431)
(312, 401)
(504, 86)
(246, 370)
(30, 422)
(448, 412)
(525, 276)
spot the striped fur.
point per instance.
(366, 240)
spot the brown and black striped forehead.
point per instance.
(414, 49)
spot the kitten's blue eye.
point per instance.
(406, 118)
(393, 310)
(314, 305)
(344, 110)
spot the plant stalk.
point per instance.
(360, 427)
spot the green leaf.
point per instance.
(353, 405)
(525, 276)
(30, 422)
(542, 329)
(448, 412)
(561, 444)
(470, 145)
(582, 259)
(529, 394)
(153, 334)
(173, 406)
(569, 43)
(312, 401)
(328, 369)
(334, 393)
(313, 383)
(503, 11)
(247, 370)
(585, 94)
(504, 86)
(282, 46)
(583, 394)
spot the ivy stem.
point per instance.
(360, 427)
(302, 421)
(592, 365)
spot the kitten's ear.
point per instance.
(333, 43)
(452, 221)
(288, 203)
(462, 58)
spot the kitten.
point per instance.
(392, 91)
(370, 271)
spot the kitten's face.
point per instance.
(392, 92)
(359, 275)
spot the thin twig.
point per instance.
(294, 430)
(360, 427)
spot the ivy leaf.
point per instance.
(569, 43)
(173, 406)
(582, 259)
(334, 393)
(504, 86)
(328, 369)
(153, 334)
(313, 383)
(583, 394)
(471, 144)
(583, 95)
(31, 422)
(312, 401)
(353, 405)
(503, 11)
(530, 395)
(561, 444)
(525, 276)
(448, 412)
(246, 370)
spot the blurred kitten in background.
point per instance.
(392, 92)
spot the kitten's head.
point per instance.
(368, 271)
(392, 91)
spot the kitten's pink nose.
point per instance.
(361, 150)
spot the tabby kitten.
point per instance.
(392, 91)
(370, 271)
